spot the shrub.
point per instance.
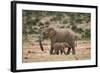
(65, 21)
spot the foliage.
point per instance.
(34, 21)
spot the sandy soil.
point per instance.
(33, 53)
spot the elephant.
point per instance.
(59, 48)
(58, 35)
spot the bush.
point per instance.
(87, 33)
(74, 28)
(32, 20)
(65, 21)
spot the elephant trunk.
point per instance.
(40, 43)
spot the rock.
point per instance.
(25, 57)
(29, 52)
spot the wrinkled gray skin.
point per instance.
(58, 35)
(59, 48)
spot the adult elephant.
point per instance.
(58, 35)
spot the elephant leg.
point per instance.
(73, 51)
(64, 52)
(51, 50)
(54, 52)
(57, 52)
(69, 49)
(61, 52)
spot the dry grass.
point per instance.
(33, 53)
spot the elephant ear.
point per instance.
(52, 32)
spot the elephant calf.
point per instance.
(60, 48)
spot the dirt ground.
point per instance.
(33, 53)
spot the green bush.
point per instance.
(65, 21)
(32, 20)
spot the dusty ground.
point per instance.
(33, 53)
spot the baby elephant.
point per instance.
(60, 48)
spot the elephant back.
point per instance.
(65, 35)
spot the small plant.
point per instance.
(65, 21)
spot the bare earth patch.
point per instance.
(33, 53)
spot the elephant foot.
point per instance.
(51, 53)
(69, 50)
(73, 53)
(67, 53)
